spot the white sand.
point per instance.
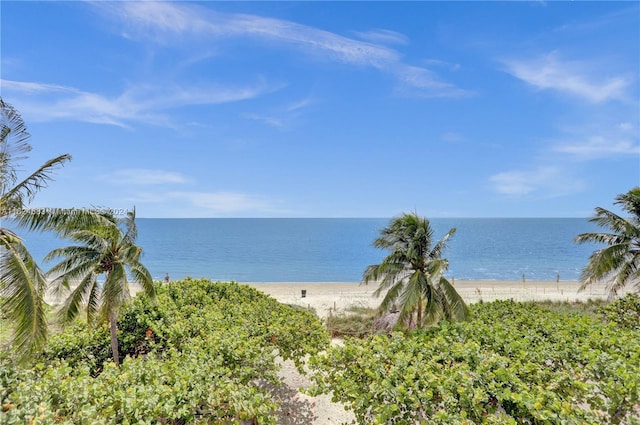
(337, 296)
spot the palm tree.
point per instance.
(106, 250)
(618, 263)
(22, 283)
(413, 273)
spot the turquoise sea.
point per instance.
(338, 250)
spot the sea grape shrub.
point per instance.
(514, 363)
(206, 307)
(193, 388)
(190, 309)
(80, 346)
(201, 353)
(624, 312)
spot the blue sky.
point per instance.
(329, 109)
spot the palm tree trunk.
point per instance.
(114, 337)
(419, 321)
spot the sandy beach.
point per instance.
(336, 296)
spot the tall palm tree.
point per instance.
(105, 250)
(412, 275)
(22, 283)
(618, 263)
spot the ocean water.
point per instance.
(339, 250)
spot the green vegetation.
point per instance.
(514, 363)
(203, 353)
(624, 312)
(107, 249)
(22, 283)
(617, 264)
(413, 274)
(355, 322)
(590, 307)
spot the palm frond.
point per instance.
(627, 273)
(433, 306)
(63, 221)
(603, 238)
(14, 142)
(74, 253)
(630, 202)
(603, 264)
(609, 220)
(22, 287)
(24, 191)
(131, 230)
(616, 264)
(439, 247)
(72, 306)
(456, 308)
(70, 270)
(390, 279)
(116, 290)
(391, 297)
(141, 275)
(411, 297)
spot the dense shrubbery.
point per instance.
(202, 354)
(625, 312)
(514, 363)
(206, 352)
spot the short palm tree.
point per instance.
(22, 283)
(106, 250)
(412, 275)
(618, 263)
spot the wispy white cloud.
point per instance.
(543, 181)
(577, 78)
(165, 22)
(281, 117)
(444, 64)
(202, 203)
(144, 103)
(142, 176)
(597, 147)
(383, 36)
(595, 140)
(176, 22)
(223, 202)
(421, 82)
(33, 87)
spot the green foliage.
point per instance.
(203, 353)
(79, 346)
(412, 275)
(22, 283)
(355, 322)
(618, 263)
(624, 312)
(513, 364)
(106, 248)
